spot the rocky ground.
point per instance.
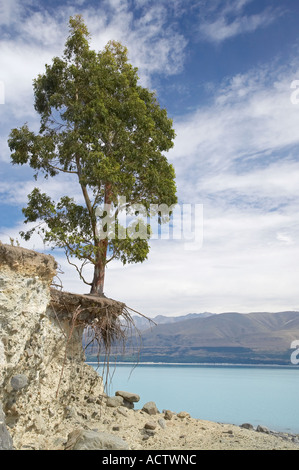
(121, 426)
(50, 399)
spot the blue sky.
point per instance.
(223, 69)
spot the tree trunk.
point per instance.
(97, 287)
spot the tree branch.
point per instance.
(61, 169)
(67, 245)
(79, 271)
(110, 259)
(87, 201)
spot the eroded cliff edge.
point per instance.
(52, 400)
(44, 381)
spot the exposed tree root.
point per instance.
(108, 326)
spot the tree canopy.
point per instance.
(110, 134)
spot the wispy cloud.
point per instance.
(249, 122)
(154, 44)
(35, 37)
(10, 12)
(230, 20)
(237, 155)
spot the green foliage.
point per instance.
(100, 126)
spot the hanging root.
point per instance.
(110, 335)
(108, 326)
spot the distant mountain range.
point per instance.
(143, 324)
(233, 338)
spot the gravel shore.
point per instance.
(165, 430)
(183, 432)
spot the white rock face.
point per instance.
(23, 304)
(2, 357)
(36, 345)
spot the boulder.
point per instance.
(114, 402)
(162, 423)
(150, 408)
(262, 429)
(5, 438)
(81, 439)
(128, 404)
(123, 410)
(130, 397)
(150, 425)
(183, 414)
(19, 381)
(168, 414)
(246, 426)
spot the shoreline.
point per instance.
(150, 431)
(198, 364)
(285, 428)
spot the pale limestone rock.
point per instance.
(150, 408)
(114, 402)
(128, 396)
(35, 343)
(93, 440)
(183, 414)
(5, 438)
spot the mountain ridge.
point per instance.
(230, 338)
(227, 337)
(142, 323)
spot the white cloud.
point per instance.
(10, 11)
(4, 149)
(249, 123)
(223, 27)
(20, 65)
(231, 278)
(220, 29)
(44, 30)
(278, 181)
(15, 192)
(36, 37)
(154, 45)
(246, 263)
(238, 156)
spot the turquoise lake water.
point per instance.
(228, 394)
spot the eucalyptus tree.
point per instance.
(109, 134)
